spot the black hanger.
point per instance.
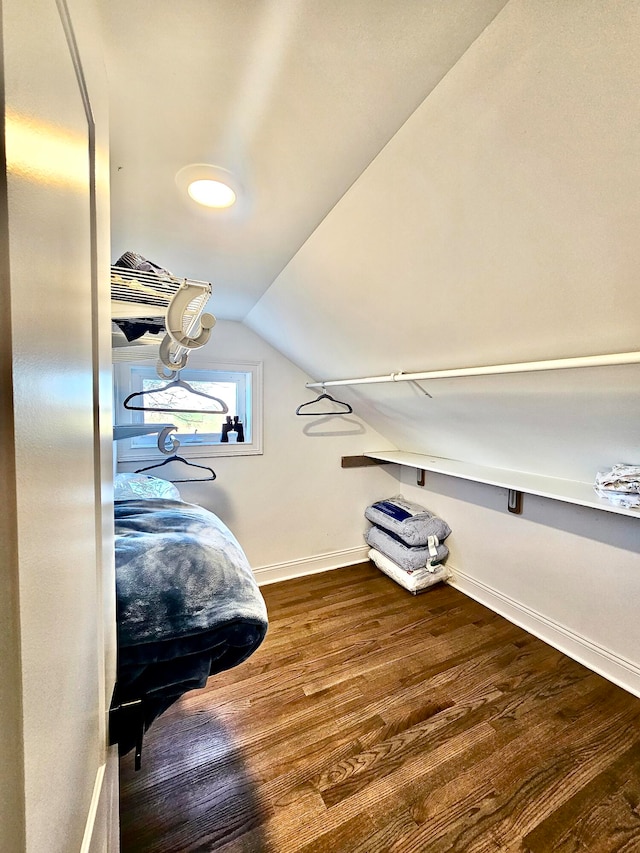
(176, 383)
(324, 396)
(176, 458)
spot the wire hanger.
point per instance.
(176, 458)
(164, 448)
(324, 396)
(176, 383)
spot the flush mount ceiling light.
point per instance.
(211, 193)
(210, 186)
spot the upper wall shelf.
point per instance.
(180, 302)
(144, 293)
(569, 491)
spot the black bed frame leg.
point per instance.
(125, 717)
(137, 763)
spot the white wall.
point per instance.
(499, 225)
(569, 574)
(12, 755)
(293, 509)
(59, 526)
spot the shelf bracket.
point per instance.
(361, 462)
(514, 501)
(421, 477)
(175, 319)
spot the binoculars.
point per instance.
(234, 425)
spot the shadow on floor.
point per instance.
(194, 792)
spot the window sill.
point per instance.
(205, 451)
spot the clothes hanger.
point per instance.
(324, 396)
(176, 383)
(167, 444)
(176, 458)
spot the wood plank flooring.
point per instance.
(371, 720)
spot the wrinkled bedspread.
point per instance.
(188, 605)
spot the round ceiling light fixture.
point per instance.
(210, 186)
(211, 193)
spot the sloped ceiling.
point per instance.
(294, 97)
(498, 225)
(428, 185)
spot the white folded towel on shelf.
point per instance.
(620, 484)
(620, 478)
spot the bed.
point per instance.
(188, 605)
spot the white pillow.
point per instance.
(128, 487)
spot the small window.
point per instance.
(200, 432)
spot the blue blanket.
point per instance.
(188, 605)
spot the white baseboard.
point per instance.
(615, 668)
(102, 828)
(90, 840)
(310, 565)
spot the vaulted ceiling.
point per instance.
(426, 185)
(293, 97)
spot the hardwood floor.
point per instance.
(371, 720)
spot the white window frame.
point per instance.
(123, 386)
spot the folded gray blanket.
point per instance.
(179, 571)
(404, 556)
(411, 522)
(188, 605)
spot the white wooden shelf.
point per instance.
(569, 491)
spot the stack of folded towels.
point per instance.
(620, 485)
(406, 542)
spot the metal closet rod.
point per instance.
(520, 367)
